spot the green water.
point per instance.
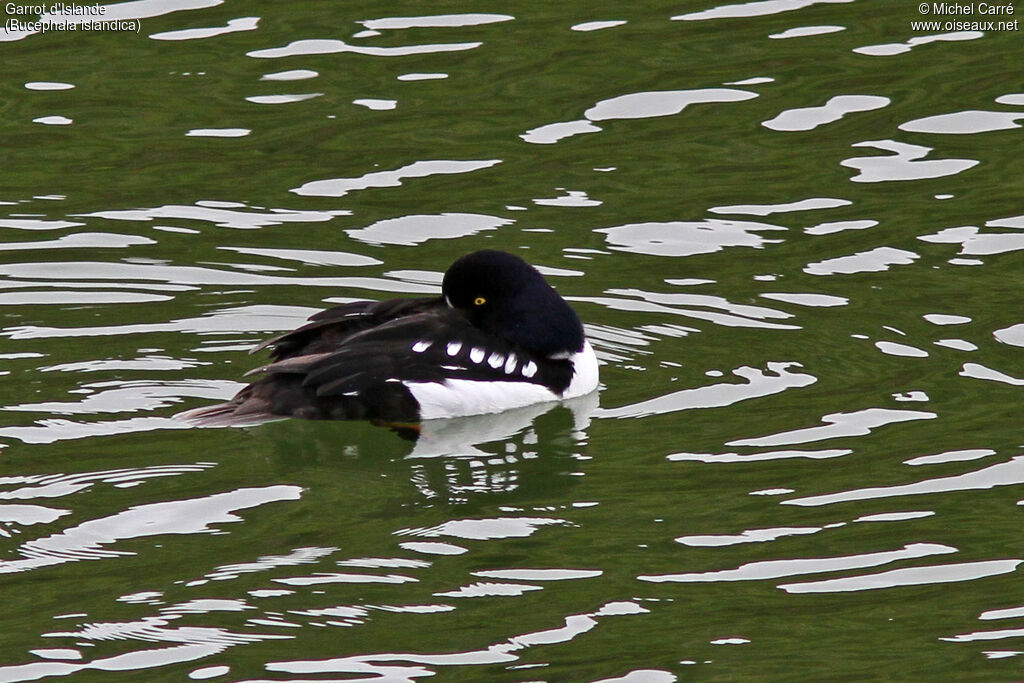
(804, 288)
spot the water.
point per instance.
(792, 229)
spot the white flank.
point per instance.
(459, 397)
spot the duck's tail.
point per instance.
(226, 415)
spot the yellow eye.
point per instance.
(479, 301)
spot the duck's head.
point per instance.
(504, 295)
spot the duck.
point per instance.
(498, 337)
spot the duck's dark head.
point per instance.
(503, 294)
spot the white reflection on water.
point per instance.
(1003, 474)
(687, 238)
(946, 319)
(810, 204)
(758, 8)
(1008, 613)
(233, 25)
(539, 574)
(904, 350)
(809, 118)
(839, 226)
(758, 457)
(979, 371)
(873, 261)
(999, 634)
(50, 430)
(139, 660)
(776, 569)
(59, 297)
(417, 229)
(551, 133)
(964, 122)
(434, 21)
(86, 540)
(804, 31)
(48, 85)
(807, 299)
(571, 198)
(889, 49)
(895, 516)
(54, 120)
(639, 105)
(747, 536)
(118, 396)
(485, 529)
(489, 589)
(376, 104)
(956, 344)
(259, 318)
(324, 46)
(773, 534)
(644, 105)
(974, 242)
(911, 576)
(290, 75)
(81, 240)
(596, 25)
(759, 383)
(906, 163)
(339, 187)
(218, 132)
(192, 275)
(322, 578)
(463, 436)
(283, 99)
(1013, 335)
(221, 214)
(207, 605)
(264, 563)
(400, 666)
(839, 425)
(422, 77)
(432, 548)
(57, 485)
(963, 455)
(383, 562)
(315, 257)
(36, 224)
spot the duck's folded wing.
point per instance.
(329, 328)
(435, 346)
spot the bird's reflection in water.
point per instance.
(454, 460)
(490, 454)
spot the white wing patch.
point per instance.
(476, 354)
(496, 360)
(530, 369)
(454, 348)
(510, 364)
(422, 345)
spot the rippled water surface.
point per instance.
(792, 227)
